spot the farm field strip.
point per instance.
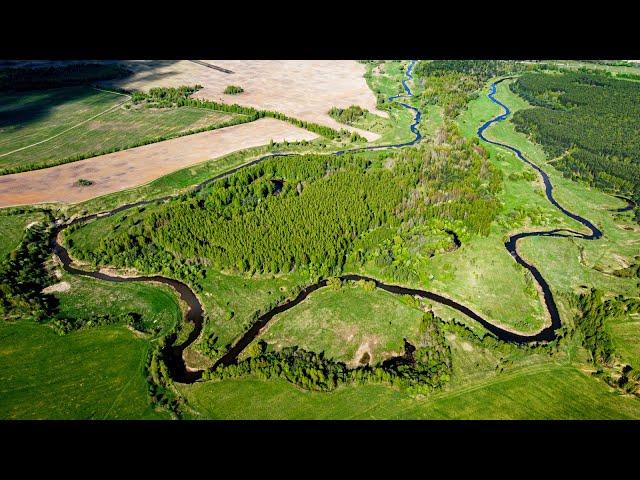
(303, 89)
(125, 169)
(73, 127)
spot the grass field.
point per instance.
(346, 323)
(41, 114)
(561, 392)
(29, 117)
(90, 374)
(230, 299)
(86, 297)
(93, 373)
(12, 229)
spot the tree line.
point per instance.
(180, 97)
(23, 277)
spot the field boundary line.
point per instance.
(71, 128)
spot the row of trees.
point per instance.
(63, 324)
(588, 121)
(159, 383)
(179, 97)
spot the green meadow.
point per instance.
(12, 227)
(561, 392)
(347, 323)
(89, 374)
(93, 373)
(33, 117)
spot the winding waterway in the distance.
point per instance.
(174, 353)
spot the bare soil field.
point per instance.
(304, 89)
(129, 168)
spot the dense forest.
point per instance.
(307, 211)
(325, 202)
(589, 124)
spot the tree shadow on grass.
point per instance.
(20, 110)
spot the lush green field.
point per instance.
(89, 374)
(561, 392)
(346, 323)
(87, 297)
(42, 114)
(230, 300)
(12, 228)
(30, 117)
(92, 373)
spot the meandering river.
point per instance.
(174, 353)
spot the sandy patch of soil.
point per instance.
(364, 350)
(58, 287)
(123, 273)
(466, 346)
(195, 360)
(305, 89)
(122, 170)
(621, 260)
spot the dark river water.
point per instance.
(174, 353)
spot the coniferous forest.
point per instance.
(305, 211)
(588, 123)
